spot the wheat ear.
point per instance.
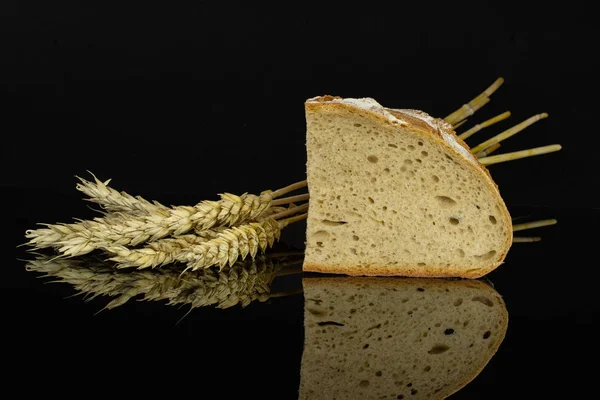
(114, 201)
(161, 252)
(122, 229)
(224, 245)
(236, 242)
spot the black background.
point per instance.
(181, 101)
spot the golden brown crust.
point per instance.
(325, 104)
(430, 271)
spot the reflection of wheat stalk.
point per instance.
(241, 283)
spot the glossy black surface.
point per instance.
(179, 103)
(143, 346)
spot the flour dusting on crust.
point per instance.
(444, 128)
(366, 103)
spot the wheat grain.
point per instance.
(231, 244)
(161, 252)
(242, 283)
(224, 244)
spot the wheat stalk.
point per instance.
(485, 124)
(242, 283)
(520, 154)
(509, 132)
(471, 107)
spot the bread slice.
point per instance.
(395, 192)
(397, 338)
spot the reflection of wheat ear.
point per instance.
(241, 284)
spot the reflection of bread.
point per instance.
(394, 338)
(395, 192)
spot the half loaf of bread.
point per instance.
(397, 338)
(395, 192)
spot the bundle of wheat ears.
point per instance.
(137, 233)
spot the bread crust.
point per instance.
(432, 129)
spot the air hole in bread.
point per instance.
(487, 334)
(328, 222)
(355, 237)
(493, 219)
(373, 180)
(373, 159)
(320, 244)
(408, 162)
(461, 252)
(366, 346)
(386, 170)
(317, 313)
(410, 147)
(364, 383)
(487, 255)
(454, 221)
(424, 153)
(353, 251)
(320, 235)
(327, 323)
(449, 331)
(393, 145)
(435, 178)
(378, 373)
(357, 125)
(413, 392)
(421, 264)
(445, 201)
(458, 302)
(483, 300)
(439, 349)
(371, 200)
